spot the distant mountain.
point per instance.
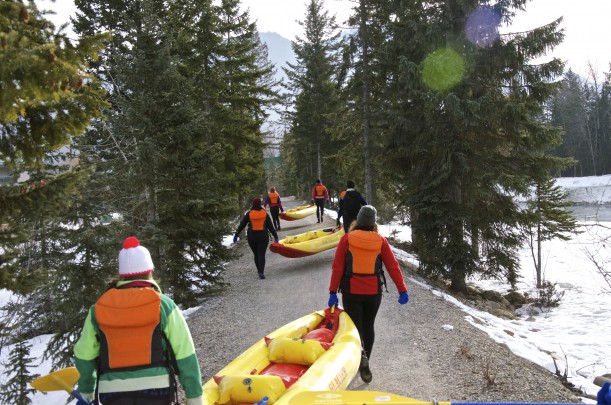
(280, 51)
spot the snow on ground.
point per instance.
(577, 331)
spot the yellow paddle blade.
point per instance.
(354, 398)
(59, 380)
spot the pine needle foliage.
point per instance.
(46, 98)
(461, 146)
(16, 389)
(314, 88)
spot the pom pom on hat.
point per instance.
(134, 259)
(367, 216)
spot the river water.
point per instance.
(591, 213)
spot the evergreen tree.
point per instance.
(313, 84)
(45, 100)
(569, 110)
(16, 389)
(189, 88)
(44, 71)
(548, 219)
(466, 134)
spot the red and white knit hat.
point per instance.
(134, 259)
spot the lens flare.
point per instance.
(482, 26)
(443, 69)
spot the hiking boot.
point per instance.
(364, 370)
(262, 276)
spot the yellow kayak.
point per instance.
(298, 212)
(308, 243)
(318, 352)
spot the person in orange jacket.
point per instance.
(275, 206)
(259, 226)
(357, 273)
(319, 196)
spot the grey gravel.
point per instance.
(412, 356)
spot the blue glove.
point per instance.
(235, 238)
(312, 201)
(403, 298)
(263, 401)
(333, 299)
(276, 239)
(81, 402)
(604, 395)
(281, 209)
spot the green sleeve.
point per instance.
(86, 353)
(177, 332)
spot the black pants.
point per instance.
(140, 401)
(320, 208)
(347, 221)
(258, 241)
(154, 396)
(275, 212)
(363, 310)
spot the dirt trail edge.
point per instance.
(412, 356)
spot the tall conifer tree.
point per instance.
(467, 134)
(313, 84)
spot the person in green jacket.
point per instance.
(135, 341)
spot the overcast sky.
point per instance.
(587, 23)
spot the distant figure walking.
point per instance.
(275, 206)
(259, 227)
(319, 196)
(349, 205)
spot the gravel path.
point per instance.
(412, 355)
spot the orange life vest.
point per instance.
(129, 322)
(363, 258)
(257, 219)
(364, 249)
(273, 199)
(319, 190)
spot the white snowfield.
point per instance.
(587, 190)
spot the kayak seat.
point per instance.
(321, 334)
(289, 373)
(296, 350)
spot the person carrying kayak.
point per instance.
(275, 206)
(259, 227)
(357, 273)
(320, 194)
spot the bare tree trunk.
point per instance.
(539, 275)
(366, 107)
(318, 162)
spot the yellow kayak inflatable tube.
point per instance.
(318, 352)
(308, 243)
(299, 212)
